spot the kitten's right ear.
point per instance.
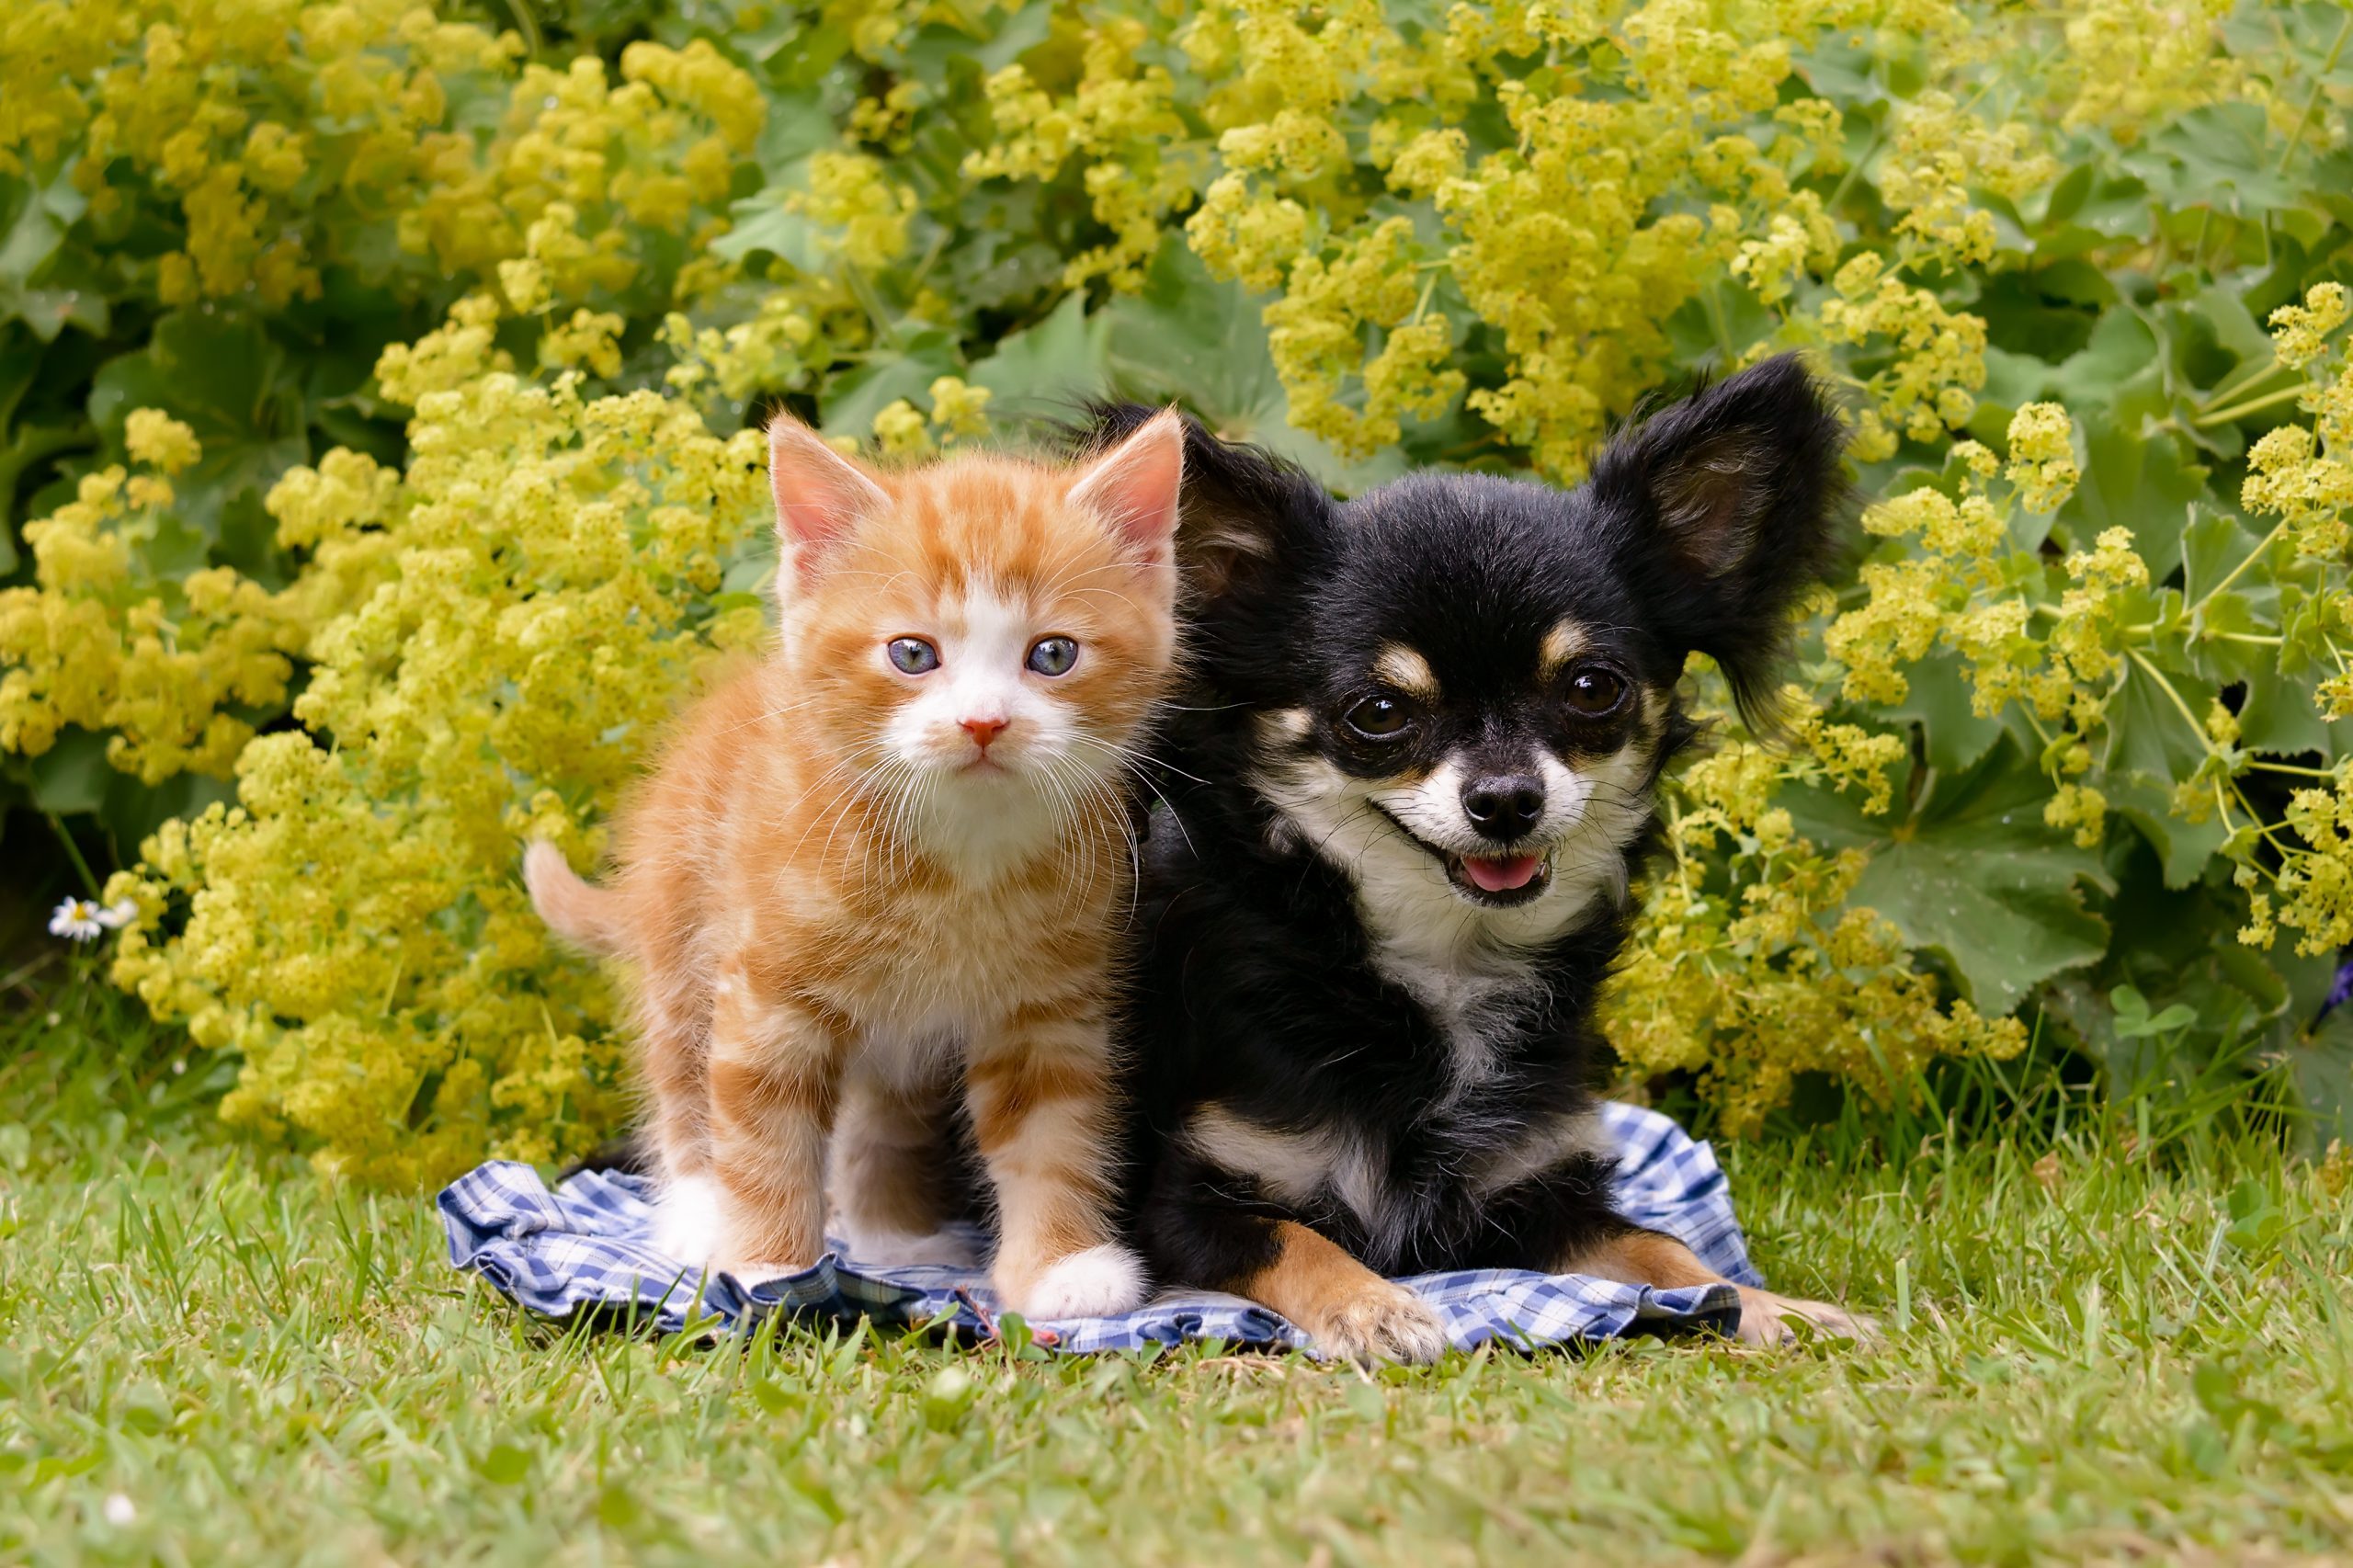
(819, 493)
(1242, 511)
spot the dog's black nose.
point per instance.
(1504, 807)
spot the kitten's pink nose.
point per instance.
(983, 729)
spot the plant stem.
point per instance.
(2205, 742)
(2311, 100)
(30, 447)
(2242, 380)
(525, 24)
(73, 853)
(2232, 575)
(2240, 410)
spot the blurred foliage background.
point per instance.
(375, 383)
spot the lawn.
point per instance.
(2099, 1345)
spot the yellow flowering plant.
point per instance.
(378, 381)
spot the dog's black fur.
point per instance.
(1279, 979)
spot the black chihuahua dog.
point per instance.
(1406, 794)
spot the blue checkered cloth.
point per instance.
(586, 1247)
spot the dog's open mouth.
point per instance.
(1499, 880)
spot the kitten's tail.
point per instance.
(579, 912)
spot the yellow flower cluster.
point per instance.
(1525, 214)
(849, 192)
(280, 138)
(1940, 151)
(1120, 123)
(101, 641)
(1937, 358)
(537, 585)
(958, 412)
(1315, 333)
(1660, 148)
(1748, 967)
(2304, 477)
(772, 348)
(2134, 64)
(1964, 586)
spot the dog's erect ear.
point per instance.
(1243, 511)
(1726, 506)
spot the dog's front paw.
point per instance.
(1766, 1319)
(1380, 1322)
(1102, 1281)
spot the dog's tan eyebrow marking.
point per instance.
(1407, 671)
(1564, 642)
(1287, 724)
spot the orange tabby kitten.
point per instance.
(885, 866)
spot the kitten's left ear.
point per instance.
(1136, 485)
(1727, 506)
(819, 494)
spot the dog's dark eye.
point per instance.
(1380, 718)
(1595, 693)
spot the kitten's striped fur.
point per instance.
(847, 900)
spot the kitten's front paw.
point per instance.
(1765, 1319)
(1381, 1322)
(687, 1220)
(1102, 1281)
(892, 1249)
(690, 1228)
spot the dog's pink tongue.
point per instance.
(1502, 874)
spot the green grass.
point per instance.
(207, 1356)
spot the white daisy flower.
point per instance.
(79, 918)
(119, 913)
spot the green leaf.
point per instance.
(1188, 338)
(760, 223)
(220, 373)
(42, 283)
(2122, 356)
(2234, 328)
(2148, 735)
(72, 776)
(2212, 547)
(1062, 359)
(2321, 1065)
(851, 402)
(2277, 719)
(2183, 847)
(797, 126)
(2222, 155)
(1939, 703)
(2130, 482)
(937, 49)
(1974, 875)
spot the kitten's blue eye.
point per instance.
(1052, 655)
(912, 656)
